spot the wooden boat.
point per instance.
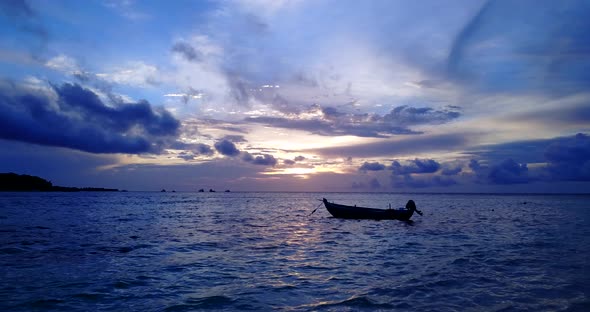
(354, 212)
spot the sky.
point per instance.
(296, 95)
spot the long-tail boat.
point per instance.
(354, 212)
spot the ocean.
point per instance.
(141, 251)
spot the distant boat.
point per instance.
(211, 190)
(354, 212)
(227, 191)
(163, 191)
(201, 190)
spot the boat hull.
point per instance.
(353, 212)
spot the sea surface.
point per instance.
(145, 252)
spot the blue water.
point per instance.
(261, 251)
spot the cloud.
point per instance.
(524, 46)
(191, 151)
(416, 166)
(566, 159)
(420, 173)
(409, 181)
(24, 18)
(227, 148)
(187, 51)
(406, 115)
(372, 184)
(509, 172)
(127, 9)
(135, 73)
(235, 138)
(334, 122)
(74, 117)
(449, 171)
(400, 147)
(299, 158)
(569, 158)
(373, 166)
(288, 162)
(506, 172)
(263, 160)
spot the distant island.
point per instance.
(12, 182)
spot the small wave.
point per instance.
(256, 225)
(44, 303)
(212, 302)
(122, 249)
(89, 296)
(11, 251)
(125, 284)
(360, 302)
(38, 227)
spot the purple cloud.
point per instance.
(569, 158)
(227, 148)
(509, 172)
(373, 166)
(417, 166)
(408, 181)
(79, 119)
(262, 160)
(334, 122)
(403, 147)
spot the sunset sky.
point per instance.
(278, 95)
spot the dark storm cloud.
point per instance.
(416, 166)
(566, 158)
(79, 119)
(187, 51)
(413, 145)
(227, 148)
(372, 166)
(334, 122)
(507, 171)
(85, 103)
(569, 158)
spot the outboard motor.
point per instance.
(411, 205)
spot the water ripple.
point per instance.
(261, 251)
